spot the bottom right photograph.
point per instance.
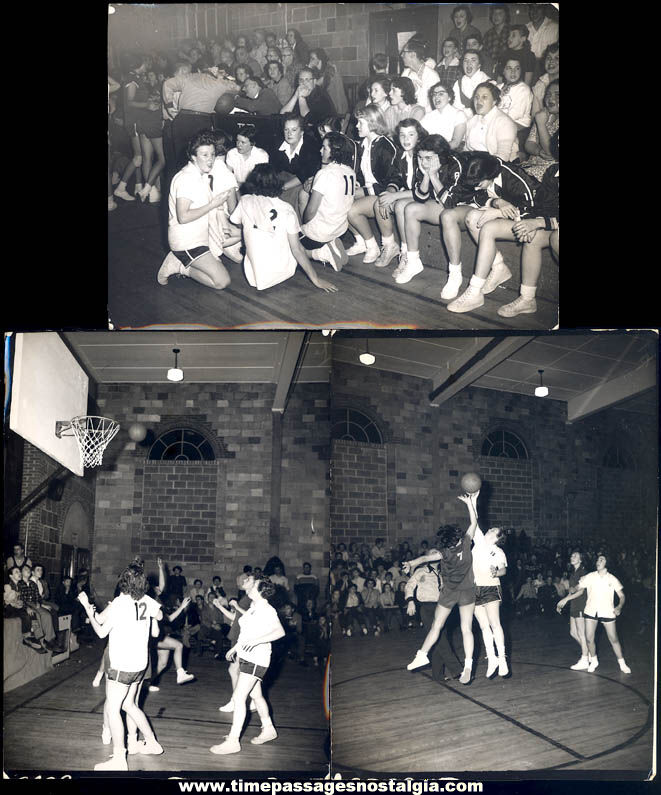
(493, 560)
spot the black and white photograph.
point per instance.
(278, 165)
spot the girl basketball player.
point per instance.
(458, 588)
(260, 626)
(127, 623)
(601, 587)
(576, 608)
(489, 564)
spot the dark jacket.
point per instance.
(382, 154)
(518, 188)
(547, 196)
(450, 176)
(266, 103)
(398, 172)
(320, 104)
(304, 165)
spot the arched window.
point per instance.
(182, 444)
(504, 444)
(354, 426)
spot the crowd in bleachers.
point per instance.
(466, 138)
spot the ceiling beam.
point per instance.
(285, 368)
(611, 392)
(478, 359)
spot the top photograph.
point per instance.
(333, 165)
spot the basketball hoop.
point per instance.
(93, 435)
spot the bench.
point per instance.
(21, 663)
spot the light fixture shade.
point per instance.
(541, 391)
(367, 358)
(175, 373)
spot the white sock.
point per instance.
(454, 268)
(403, 248)
(370, 242)
(387, 240)
(121, 186)
(468, 664)
(487, 637)
(498, 260)
(478, 284)
(528, 292)
(359, 238)
(413, 256)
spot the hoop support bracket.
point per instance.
(60, 427)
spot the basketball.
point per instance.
(471, 482)
(137, 432)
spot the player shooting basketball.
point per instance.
(458, 586)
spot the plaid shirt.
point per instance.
(28, 591)
(494, 43)
(448, 74)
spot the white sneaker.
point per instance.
(154, 688)
(593, 665)
(112, 204)
(520, 306)
(498, 274)
(581, 665)
(234, 252)
(115, 178)
(230, 746)
(492, 665)
(364, 630)
(122, 193)
(388, 252)
(357, 248)
(503, 670)
(349, 632)
(377, 632)
(624, 667)
(372, 254)
(143, 193)
(265, 736)
(170, 267)
(106, 736)
(183, 677)
(154, 195)
(452, 286)
(401, 265)
(116, 762)
(229, 707)
(470, 299)
(143, 747)
(418, 661)
(465, 677)
(410, 270)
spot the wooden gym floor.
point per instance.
(544, 717)
(366, 297)
(54, 723)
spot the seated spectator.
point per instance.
(372, 606)
(14, 607)
(245, 156)
(449, 67)
(256, 98)
(270, 38)
(278, 578)
(247, 571)
(378, 66)
(216, 590)
(561, 586)
(242, 58)
(546, 124)
(542, 31)
(391, 611)
(209, 625)
(273, 54)
(298, 157)
(310, 619)
(490, 130)
(474, 42)
(379, 89)
(472, 77)
(293, 643)
(18, 558)
(352, 611)
(196, 590)
(28, 593)
(226, 60)
(241, 73)
(270, 233)
(518, 46)
(277, 82)
(65, 598)
(462, 18)
(259, 47)
(401, 603)
(415, 68)
(547, 597)
(445, 119)
(330, 199)
(515, 95)
(321, 642)
(552, 72)
(290, 63)
(299, 47)
(402, 104)
(527, 597)
(309, 101)
(495, 39)
(330, 79)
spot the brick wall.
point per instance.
(212, 518)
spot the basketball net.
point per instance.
(93, 435)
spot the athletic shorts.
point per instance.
(309, 244)
(189, 255)
(151, 125)
(487, 593)
(599, 618)
(125, 677)
(253, 669)
(449, 597)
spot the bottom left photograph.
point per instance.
(166, 553)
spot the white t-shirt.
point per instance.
(223, 180)
(189, 183)
(422, 84)
(337, 185)
(443, 122)
(600, 590)
(130, 623)
(484, 557)
(241, 166)
(258, 620)
(269, 259)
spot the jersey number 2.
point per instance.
(346, 185)
(143, 610)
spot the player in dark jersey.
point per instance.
(458, 587)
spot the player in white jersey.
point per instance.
(127, 622)
(259, 627)
(331, 196)
(489, 564)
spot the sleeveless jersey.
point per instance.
(457, 565)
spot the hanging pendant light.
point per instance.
(541, 390)
(366, 357)
(174, 373)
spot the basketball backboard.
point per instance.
(47, 385)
